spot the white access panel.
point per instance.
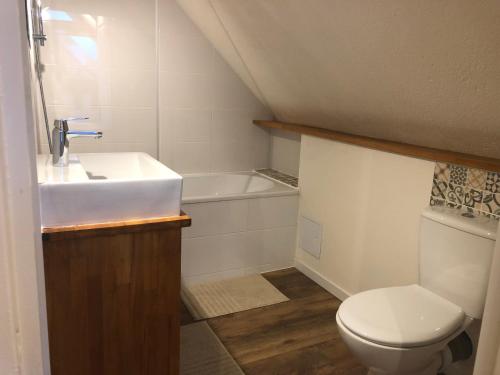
(310, 236)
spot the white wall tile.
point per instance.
(185, 91)
(166, 138)
(86, 145)
(254, 251)
(220, 254)
(272, 247)
(213, 218)
(133, 88)
(187, 125)
(284, 152)
(69, 18)
(205, 255)
(196, 259)
(186, 55)
(71, 50)
(266, 213)
(123, 46)
(75, 86)
(230, 93)
(235, 252)
(191, 157)
(173, 21)
(231, 156)
(232, 125)
(261, 147)
(124, 124)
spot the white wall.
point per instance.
(206, 111)
(488, 356)
(369, 203)
(22, 289)
(8, 351)
(151, 82)
(285, 152)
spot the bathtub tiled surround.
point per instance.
(238, 237)
(282, 177)
(149, 79)
(466, 188)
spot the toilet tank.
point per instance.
(455, 256)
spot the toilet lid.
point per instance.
(406, 316)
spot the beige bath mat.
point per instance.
(215, 298)
(203, 354)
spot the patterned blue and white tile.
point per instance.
(458, 175)
(439, 188)
(442, 172)
(493, 182)
(491, 203)
(455, 193)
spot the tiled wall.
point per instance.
(239, 237)
(285, 152)
(99, 61)
(206, 111)
(149, 80)
(470, 189)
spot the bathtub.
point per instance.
(242, 223)
(228, 186)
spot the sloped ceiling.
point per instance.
(423, 72)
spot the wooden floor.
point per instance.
(295, 337)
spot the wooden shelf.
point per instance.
(405, 149)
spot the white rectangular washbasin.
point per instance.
(106, 187)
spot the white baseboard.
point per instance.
(334, 289)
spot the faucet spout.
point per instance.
(61, 136)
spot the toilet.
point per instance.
(407, 330)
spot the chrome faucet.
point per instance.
(61, 136)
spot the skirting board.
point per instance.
(337, 291)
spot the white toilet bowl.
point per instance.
(401, 330)
(406, 330)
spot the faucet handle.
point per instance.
(75, 118)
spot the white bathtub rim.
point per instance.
(289, 190)
(250, 173)
(231, 197)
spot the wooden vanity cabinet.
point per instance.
(113, 297)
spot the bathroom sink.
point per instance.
(104, 187)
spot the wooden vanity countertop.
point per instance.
(118, 227)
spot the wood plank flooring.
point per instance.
(295, 337)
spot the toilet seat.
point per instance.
(405, 317)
